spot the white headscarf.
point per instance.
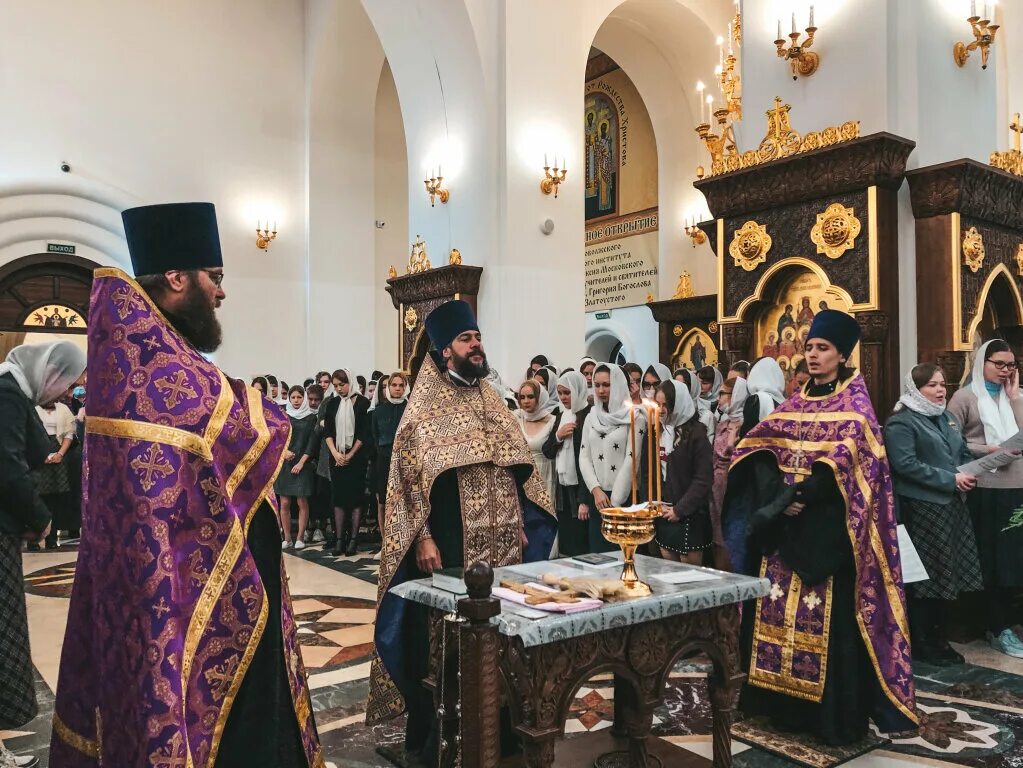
(767, 383)
(619, 403)
(302, 411)
(740, 391)
(44, 371)
(552, 382)
(575, 382)
(344, 421)
(715, 388)
(375, 400)
(494, 379)
(999, 421)
(660, 370)
(676, 417)
(282, 392)
(385, 382)
(589, 389)
(544, 405)
(916, 402)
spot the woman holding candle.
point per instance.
(605, 459)
(683, 530)
(822, 529)
(572, 497)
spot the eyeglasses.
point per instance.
(1001, 365)
(216, 277)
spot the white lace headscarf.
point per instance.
(44, 371)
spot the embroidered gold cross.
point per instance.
(151, 465)
(175, 389)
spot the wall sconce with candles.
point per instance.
(552, 176)
(435, 187)
(265, 236)
(693, 231)
(804, 62)
(983, 35)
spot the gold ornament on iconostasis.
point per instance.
(455, 257)
(418, 260)
(750, 245)
(411, 318)
(835, 231)
(1011, 161)
(973, 249)
(684, 289)
(1019, 260)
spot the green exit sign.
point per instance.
(603, 315)
(60, 248)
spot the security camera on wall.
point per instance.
(380, 224)
(547, 227)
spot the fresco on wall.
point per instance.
(694, 351)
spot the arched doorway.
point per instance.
(44, 296)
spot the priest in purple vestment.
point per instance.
(181, 645)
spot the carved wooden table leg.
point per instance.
(539, 754)
(724, 683)
(479, 674)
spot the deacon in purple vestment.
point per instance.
(810, 507)
(181, 645)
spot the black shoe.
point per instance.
(33, 547)
(353, 548)
(338, 548)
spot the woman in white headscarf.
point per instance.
(766, 385)
(703, 408)
(297, 477)
(925, 448)
(990, 410)
(537, 422)
(32, 374)
(605, 457)
(683, 530)
(572, 498)
(711, 381)
(652, 378)
(347, 434)
(586, 367)
(731, 401)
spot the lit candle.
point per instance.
(650, 456)
(710, 108)
(779, 30)
(632, 437)
(658, 458)
(811, 15)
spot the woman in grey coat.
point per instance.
(925, 448)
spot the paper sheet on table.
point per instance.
(912, 566)
(993, 461)
(685, 577)
(583, 604)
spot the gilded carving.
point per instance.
(1019, 260)
(973, 249)
(455, 257)
(418, 260)
(836, 231)
(411, 318)
(392, 272)
(713, 327)
(684, 289)
(677, 331)
(750, 245)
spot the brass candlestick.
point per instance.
(629, 529)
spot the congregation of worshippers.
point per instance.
(728, 443)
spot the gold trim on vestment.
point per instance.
(876, 447)
(791, 640)
(151, 433)
(72, 739)
(258, 419)
(842, 386)
(893, 599)
(220, 412)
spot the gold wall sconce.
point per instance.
(265, 235)
(983, 36)
(552, 176)
(435, 187)
(803, 61)
(694, 233)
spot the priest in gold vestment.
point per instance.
(462, 489)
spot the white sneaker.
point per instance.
(318, 536)
(285, 544)
(299, 544)
(1008, 643)
(307, 536)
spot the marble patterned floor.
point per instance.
(972, 715)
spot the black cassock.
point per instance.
(815, 544)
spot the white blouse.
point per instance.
(59, 422)
(544, 466)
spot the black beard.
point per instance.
(469, 370)
(196, 320)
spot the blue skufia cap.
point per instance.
(840, 329)
(172, 236)
(448, 320)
